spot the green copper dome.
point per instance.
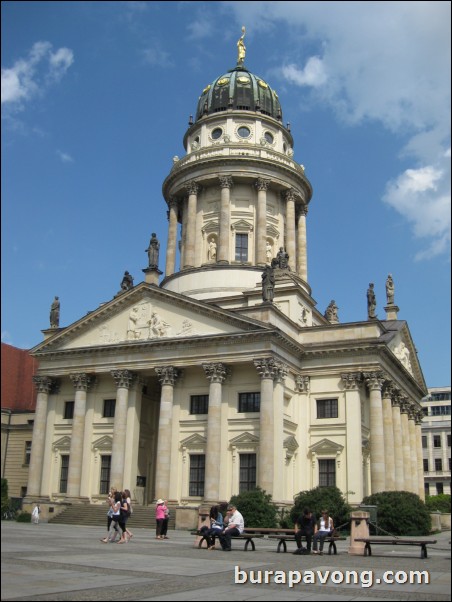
(239, 90)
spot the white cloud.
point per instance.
(31, 76)
(65, 158)
(389, 62)
(157, 57)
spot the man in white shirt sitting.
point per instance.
(234, 527)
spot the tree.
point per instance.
(322, 498)
(257, 508)
(400, 513)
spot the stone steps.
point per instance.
(143, 517)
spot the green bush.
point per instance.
(24, 517)
(400, 513)
(257, 508)
(323, 498)
(438, 503)
(4, 497)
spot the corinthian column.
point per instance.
(43, 385)
(413, 450)
(216, 374)
(167, 377)
(355, 482)
(388, 432)
(420, 456)
(261, 218)
(190, 241)
(290, 229)
(374, 381)
(81, 384)
(268, 369)
(302, 247)
(399, 471)
(124, 379)
(225, 219)
(407, 480)
(172, 238)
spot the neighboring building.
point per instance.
(436, 440)
(226, 375)
(18, 410)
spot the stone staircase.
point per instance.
(143, 517)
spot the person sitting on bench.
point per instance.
(304, 525)
(324, 528)
(235, 526)
(216, 527)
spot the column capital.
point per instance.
(192, 187)
(419, 416)
(226, 181)
(374, 380)
(351, 380)
(269, 368)
(45, 384)
(404, 404)
(301, 210)
(389, 389)
(216, 373)
(290, 195)
(124, 378)
(262, 184)
(303, 384)
(81, 381)
(168, 375)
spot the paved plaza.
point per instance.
(63, 562)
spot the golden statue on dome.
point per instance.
(241, 49)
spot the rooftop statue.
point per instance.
(55, 313)
(241, 49)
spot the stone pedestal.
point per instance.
(391, 312)
(152, 275)
(359, 529)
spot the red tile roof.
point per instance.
(18, 368)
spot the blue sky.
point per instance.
(96, 99)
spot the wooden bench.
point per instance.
(371, 541)
(283, 539)
(247, 537)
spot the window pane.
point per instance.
(327, 473)
(197, 473)
(327, 408)
(63, 473)
(199, 404)
(27, 452)
(247, 472)
(241, 247)
(425, 465)
(249, 402)
(109, 408)
(105, 468)
(68, 410)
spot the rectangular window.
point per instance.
(424, 442)
(448, 440)
(241, 247)
(109, 409)
(63, 473)
(68, 410)
(425, 465)
(438, 464)
(105, 467)
(327, 408)
(27, 453)
(197, 474)
(440, 410)
(439, 488)
(436, 440)
(426, 489)
(327, 473)
(249, 402)
(247, 472)
(199, 404)
(440, 396)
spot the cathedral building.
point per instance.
(224, 375)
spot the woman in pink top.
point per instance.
(159, 518)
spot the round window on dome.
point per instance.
(269, 137)
(243, 132)
(216, 133)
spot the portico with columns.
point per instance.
(197, 388)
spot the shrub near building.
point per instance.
(400, 513)
(256, 507)
(320, 498)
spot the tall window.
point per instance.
(68, 410)
(424, 441)
(105, 468)
(63, 473)
(241, 247)
(109, 409)
(27, 453)
(439, 488)
(327, 473)
(197, 474)
(438, 464)
(436, 440)
(425, 465)
(327, 408)
(247, 472)
(249, 402)
(199, 404)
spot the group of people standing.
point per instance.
(315, 532)
(119, 511)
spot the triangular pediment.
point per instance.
(244, 439)
(402, 347)
(103, 443)
(194, 441)
(326, 447)
(63, 444)
(147, 313)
